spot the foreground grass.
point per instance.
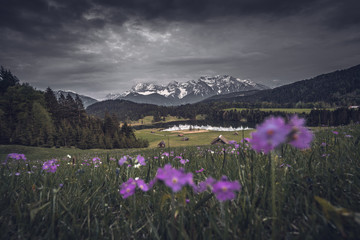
(291, 194)
(40, 153)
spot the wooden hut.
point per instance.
(180, 135)
(220, 140)
(236, 133)
(161, 144)
(185, 139)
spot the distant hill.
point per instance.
(230, 96)
(123, 109)
(87, 101)
(341, 87)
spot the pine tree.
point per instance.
(7, 79)
(51, 103)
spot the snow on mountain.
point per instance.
(190, 91)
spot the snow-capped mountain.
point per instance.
(87, 101)
(176, 93)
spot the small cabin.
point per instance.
(220, 140)
(161, 144)
(236, 133)
(180, 135)
(185, 139)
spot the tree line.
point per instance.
(35, 118)
(316, 117)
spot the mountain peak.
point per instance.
(190, 91)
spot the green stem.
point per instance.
(273, 197)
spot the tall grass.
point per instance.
(288, 194)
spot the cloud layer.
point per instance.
(96, 47)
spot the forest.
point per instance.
(35, 118)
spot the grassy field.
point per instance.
(40, 153)
(148, 120)
(196, 137)
(288, 110)
(287, 194)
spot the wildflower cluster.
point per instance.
(176, 179)
(50, 165)
(139, 161)
(96, 161)
(274, 131)
(15, 156)
(128, 188)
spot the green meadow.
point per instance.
(287, 194)
(196, 137)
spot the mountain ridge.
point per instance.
(175, 93)
(340, 87)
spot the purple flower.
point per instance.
(232, 142)
(152, 182)
(61, 185)
(184, 161)
(300, 136)
(141, 160)
(348, 136)
(142, 185)
(96, 160)
(15, 156)
(173, 178)
(224, 189)
(202, 186)
(122, 160)
(335, 132)
(199, 171)
(127, 189)
(50, 165)
(269, 134)
(165, 154)
(323, 144)
(17, 174)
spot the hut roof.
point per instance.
(161, 144)
(220, 140)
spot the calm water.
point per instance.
(200, 123)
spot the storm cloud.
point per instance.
(96, 47)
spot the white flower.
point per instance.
(68, 156)
(137, 165)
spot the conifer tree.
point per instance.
(7, 79)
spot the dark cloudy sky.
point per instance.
(96, 47)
